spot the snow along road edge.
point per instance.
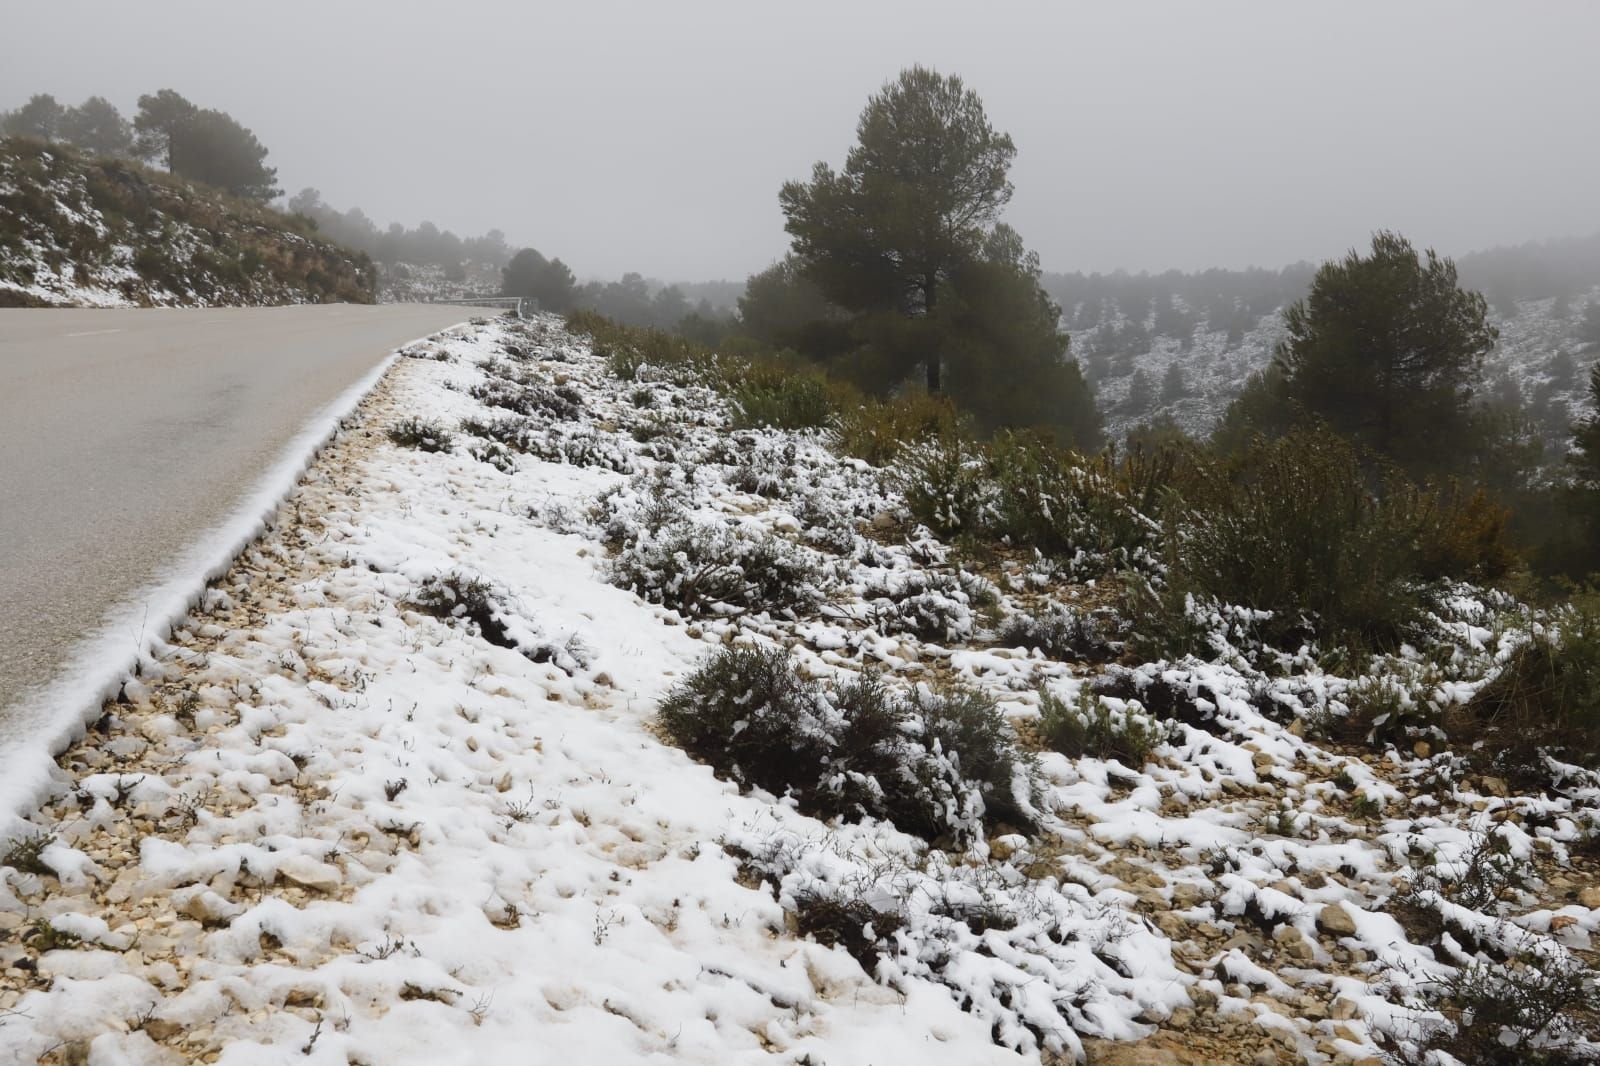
(57, 714)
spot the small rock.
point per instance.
(208, 908)
(1590, 897)
(883, 520)
(1293, 942)
(1422, 749)
(1187, 894)
(310, 875)
(1181, 1018)
(303, 997)
(1335, 920)
(1495, 786)
(504, 784)
(162, 1029)
(1111, 1053)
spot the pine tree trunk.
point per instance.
(930, 289)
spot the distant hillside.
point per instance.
(1182, 345)
(76, 231)
(410, 281)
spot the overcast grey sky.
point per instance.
(653, 136)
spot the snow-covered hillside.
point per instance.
(397, 791)
(82, 232)
(1538, 362)
(426, 282)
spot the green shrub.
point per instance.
(877, 431)
(1548, 693)
(1527, 1011)
(1091, 727)
(1050, 499)
(24, 853)
(780, 395)
(944, 483)
(936, 765)
(629, 351)
(1295, 527)
(699, 569)
(422, 434)
(1060, 633)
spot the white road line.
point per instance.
(93, 332)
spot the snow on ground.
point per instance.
(327, 824)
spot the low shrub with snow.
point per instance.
(1092, 726)
(698, 567)
(1059, 632)
(938, 765)
(465, 599)
(928, 605)
(771, 393)
(1063, 505)
(561, 403)
(944, 485)
(421, 433)
(1547, 694)
(1530, 1010)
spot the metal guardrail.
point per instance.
(523, 307)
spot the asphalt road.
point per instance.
(128, 435)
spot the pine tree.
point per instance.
(160, 119)
(39, 117)
(917, 198)
(1388, 350)
(211, 147)
(549, 281)
(97, 127)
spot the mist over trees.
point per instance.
(424, 245)
(192, 142)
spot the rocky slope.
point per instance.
(84, 232)
(397, 790)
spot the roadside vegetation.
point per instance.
(76, 228)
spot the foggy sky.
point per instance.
(653, 136)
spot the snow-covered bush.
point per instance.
(465, 599)
(700, 568)
(580, 445)
(513, 431)
(936, 764)
(560, 402)
(765, 467)
(927, 605)
(495, 454)
(944, 484)
(1057, 502)
(1092, 726)
(1060, 633)
(768, 393)
(421, 433)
